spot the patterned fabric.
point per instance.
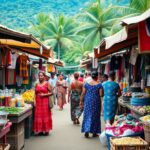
(43, 115)
(22, 69)
(76, 111)
(110, 99)
(92, 107)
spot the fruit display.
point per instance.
(128, 141)
(146, 118)
(28, 96)
(142, 109)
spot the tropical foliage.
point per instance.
(57, 32)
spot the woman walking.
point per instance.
(61, 91)
(91, 101)
(74, 94)
(42, 113)
(111, 94)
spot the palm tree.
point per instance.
(75, 54)
(99, 21)
(57, 32)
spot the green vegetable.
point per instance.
(11, 110)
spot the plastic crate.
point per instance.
(134, 146)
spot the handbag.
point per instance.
(51, 102)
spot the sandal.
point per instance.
(95, 135)
(78, 122)
(86, 135)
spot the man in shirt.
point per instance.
(52, 82)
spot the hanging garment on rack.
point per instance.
(50, 68)
(10, 77)
(22, 68)
(2, 76)
(5, 59)
(14, 57)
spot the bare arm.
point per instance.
(101, 92)
(82, 97)
(119, 92)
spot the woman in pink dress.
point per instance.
(61, 91)
(42, 113)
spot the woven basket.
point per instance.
(147, 132)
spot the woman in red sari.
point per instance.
(61, 91)
(42, 113)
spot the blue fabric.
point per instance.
(92, 106)
(110, 99)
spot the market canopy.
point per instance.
(55, 62)
(23, 42)
(125, 38)
(136, 19)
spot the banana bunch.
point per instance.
(127, 141)
(28, 96)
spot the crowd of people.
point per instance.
(89, 94)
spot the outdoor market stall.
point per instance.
(128, 54)
(15, 50)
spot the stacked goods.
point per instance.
(17, 102)
(140, 99)
(128, 143)
(29, 96)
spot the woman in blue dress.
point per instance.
(111, 94)
(91, 102)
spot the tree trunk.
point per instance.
(58, 51)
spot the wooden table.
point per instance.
(16, 136)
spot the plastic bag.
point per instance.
(103, 138)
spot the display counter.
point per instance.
(16, 136)
(125, 107)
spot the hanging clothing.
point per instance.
(22, 68)
(10, 77)
(50, 68)
(110, 99)
(5, 59)
(42, 113)
(92, 108)
(14, 57)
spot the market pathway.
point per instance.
(65, 136)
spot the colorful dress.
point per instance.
(110, 99)
(61, 93)
(42, 114)
(76, 111)
(92, 107)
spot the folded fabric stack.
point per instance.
(124, 126)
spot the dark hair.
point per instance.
(94, 74)
(76, 75)
(105, 76)
(112, 74)
(41, 72)
(82, 75)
